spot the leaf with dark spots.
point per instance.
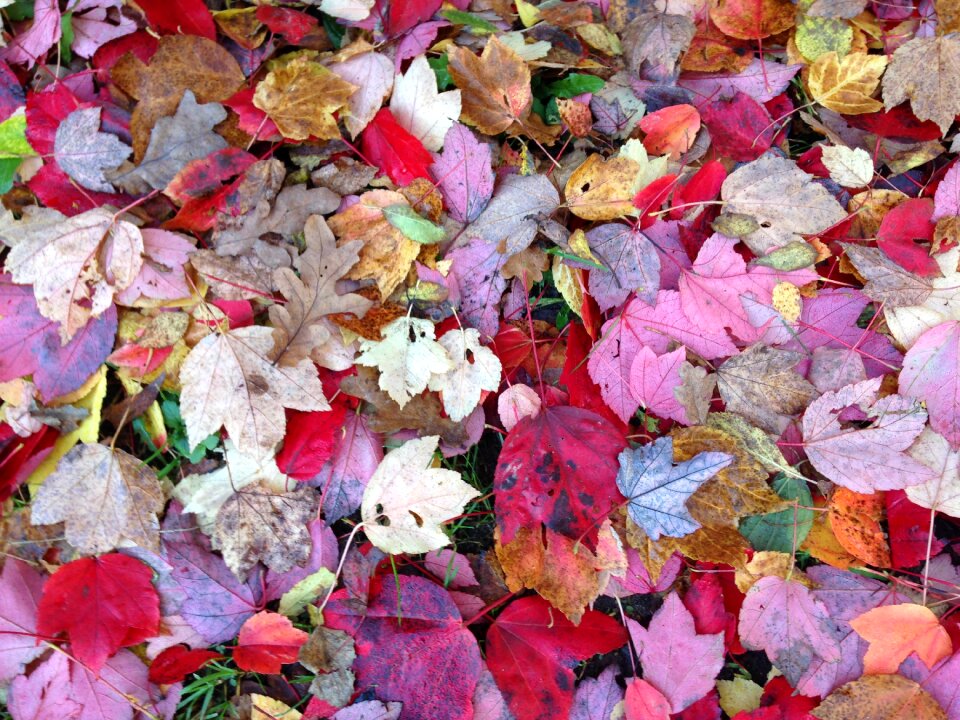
(538, 478)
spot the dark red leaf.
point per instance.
(404, 15)
(20, 456)
(706, 708)
(740, 127)
(175, 663)
(909, 529)
(898, 123)
(187, 17)
(395, 151)
(292, 24)
(206, 175)
(102, 604)
(531, 649)
(702, 187)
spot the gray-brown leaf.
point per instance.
(926, 71)
(656, 40)
(887, 282)
(83, 152)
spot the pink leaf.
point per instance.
(266, 642)
(653, 380)
(946, 201)
(931, 373)
(343, 479)
(32, 44)
(463, 173)
(162, 275)
(44, 693)
(644, 702)
(20, 587)
(676, 660)
(597, 698)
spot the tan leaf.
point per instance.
(299, 324)
(230, 380)
(761, 385)
(419, 108)
(846, 86)
(475, 369)
(926, 71)
(76, 265)
(850, 168)
(301, 97)
(880, 697)
(695, 392)
(387, 253)
(181, 62)
(406, 501)
(106, 497)
(602, 189)
(657, 39)
(260, 525)
(886, 281)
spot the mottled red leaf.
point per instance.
(905, 234)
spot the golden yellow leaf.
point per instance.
(301, 97)
(602, 189)
(846, 86)
(880, 697)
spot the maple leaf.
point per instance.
(495, 91)
(677, 660)
(300, 328)
(103, 604)
(372, 75)
(865, 459)
(782, 199)
(630, 264)
(670, 387)
(21, 586)
(528, 646)
(229, 380)
(602, 189)
(657, 490)
(407, 356)
(259, 524)
(656, 39)
(59, 257)
(413, 624)
(84, 152)
(850, 168)
(301, 97)
(174, 141)
(104, 495)
(847, 85)
(406, 501)
(539, 476)
(345, 476)
(398, 153)
(514, 214)
(930, 373)
(420, 109)
(266, 642)
(463, 173)
(895, 631)
(924, 71)
(886, 697)
(475, 369)
(785, 620)
(940, 492)
(888, 282)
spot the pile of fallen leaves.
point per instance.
(480, 359)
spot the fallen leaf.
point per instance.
(463, 173)
(656, 39)
(301, 97)
(406, 501)
(475, 369)
(84, 152)
(399, 154)
(752, 21)
(657, 490)
(888, 282)
(895, 631)
(514, 214)
(229, 380)
(629, 264)
(266, 642)
(420, 109)
(923, 71)
(602, 189)
(372, 75)
(21, 586)
(855, 520)
(885, 697)
(930, 373)
(847, 85)
(850, 168)
(942, 491)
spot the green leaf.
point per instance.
(66, 37)
(8, 171)
(575, 84)
(792, 256)
(13, 138)
(306, 591)
(785, 530)
(477, 24)
(415, 227)
(439, 66)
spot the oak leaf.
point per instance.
(895, 631)
(406, 500)
(300, 325)
(407, 356)
(846, 86)
(229, 379)
(60, 257)
(106, 498)
(259, 524)
(475, 369)
(884, 697)
(925, 71)
(301, 97)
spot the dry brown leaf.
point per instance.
(655, 40)
(556, 567)
(761, 384)
(182, 62)
(241, 277)
(926, 71)
(387, 253)
(300, 325)
(869, 208)
(880, 697)
(106, 497)
(230, 380)
(602, 189)
(495, 91)
(301, 97)
(886, 281)
(76, 265)
(260, 525)
(846, 86)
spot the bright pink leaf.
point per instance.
(394, 150)
(162, 275)
(676, 660)
(20, 587)
(266, 642)
(931, 372)
(653, 380)
(103, 604)
(946, 201)
(463, 173)
(411, 623)
(44, 693)
(644, 702)
(531, 649)
(558, 468)
(30, 46)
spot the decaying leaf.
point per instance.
(84, 152)
(924, 71)
(474, 369)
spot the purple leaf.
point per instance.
(343, 478)
(476, 270)
(463, 173)
(946, 201)
(596, 698)
(931, 372)
(20, 587)
(631, 265)
(30, 344)
(676, 660)
(942, 681)
(215, 603)
(762, 80)
(657, 490)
